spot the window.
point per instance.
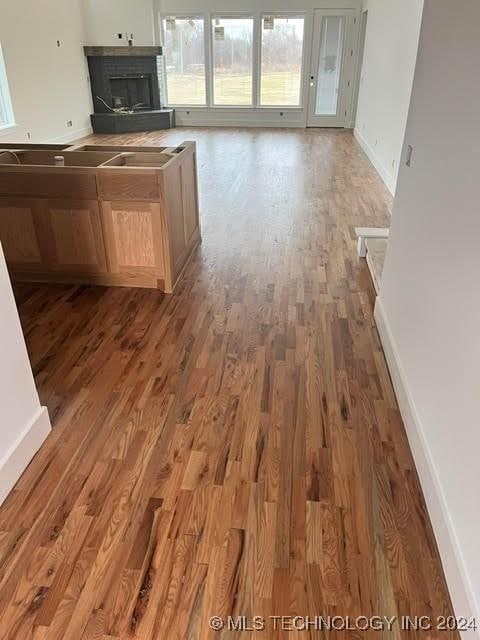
(281, 61)
(184, 50)
(330, 65)
(6, 112)
(232, 61)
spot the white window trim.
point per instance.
(7, 108)
(208, 17)
(282, 14)
(5, 127)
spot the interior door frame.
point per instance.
(347, 71)
(362, 39)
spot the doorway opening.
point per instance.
(361, 54)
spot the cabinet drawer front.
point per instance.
(48, 183)
(128, 185)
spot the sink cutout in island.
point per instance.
(112, 215)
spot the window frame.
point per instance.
(184, 16)
(285, 15)
(257, 16)
(6, 106)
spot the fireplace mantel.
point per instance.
(98, 52)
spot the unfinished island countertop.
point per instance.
(113, 215)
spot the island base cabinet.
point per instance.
(123, 219)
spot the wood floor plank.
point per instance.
(234, 449)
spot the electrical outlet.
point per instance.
(58, 43)
(408, 160)
(120, 35)
(69, 123)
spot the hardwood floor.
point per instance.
(232, 449)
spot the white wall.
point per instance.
(48, 84)
(105, 19)
(24, 423)
(386, 81)
(429, 305)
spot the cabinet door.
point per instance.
(19, 233)
(75, 236)
(134, 240)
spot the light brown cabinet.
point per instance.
(139, 229)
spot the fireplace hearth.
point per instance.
(125, 90)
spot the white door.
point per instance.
(332, 68)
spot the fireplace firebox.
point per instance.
(133, 93)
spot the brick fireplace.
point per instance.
(126, 78)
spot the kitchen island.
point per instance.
(111, 215)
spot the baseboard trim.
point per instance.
(385, 175)
(247, 124)
(461, 591)
(72, 136)
(216, 117)
(17, 458)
